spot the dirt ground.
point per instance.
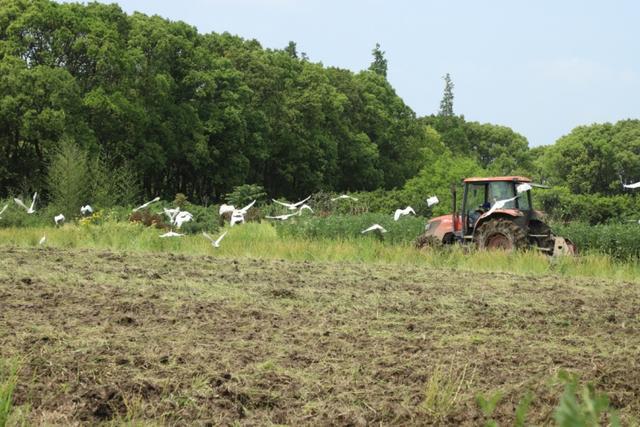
(169, 339)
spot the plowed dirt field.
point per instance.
(105, 337)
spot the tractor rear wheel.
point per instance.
(501, 234)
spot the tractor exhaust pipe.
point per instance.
(454, 214)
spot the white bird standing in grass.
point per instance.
(374, 227)
(58, 219)
(171, 234)
(3, 209)
(401, 212)
(29, 209)
(291, 206)
(86, 209)
(521, 188)
(283, 217)
(215, 243)
(498, 205)
(343, 197)
(42, 240)
(146, 204)
(433, 200)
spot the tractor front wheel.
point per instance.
(501, 234)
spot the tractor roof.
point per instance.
(499, 178)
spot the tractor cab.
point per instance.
(480, 196)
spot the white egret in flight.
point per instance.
(181, 218)
(146, 204)
(521, 188)
(343, 197)
(171, 234)
(373, 228)
(401, 212)
(283, 217)
(291, 206)
(29, 209)
(215, 243)
(498, 205)
(226, 208)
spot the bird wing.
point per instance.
(217, 242)
(396, 215)
(301, 202)
(521, 188)
(283, 204)
(634, 185)
(410, 209)
(4, 208)
(246, 208)
(373, 227)
(33, 201)
(141, 207)
(208, 237)
(226, 208)
(19, 203)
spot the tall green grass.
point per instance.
(340, 227)
(263, 241)
(620, 241)
(8, 381)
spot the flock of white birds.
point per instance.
(177, 217)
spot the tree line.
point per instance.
(182, 112)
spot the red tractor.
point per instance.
(497, 213)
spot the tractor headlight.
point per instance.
(432, 225)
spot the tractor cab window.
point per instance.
(523, 201)
(476, 198)
(501, 190)
(476, 203)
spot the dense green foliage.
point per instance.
(594, 159)
(192, 113)
(153, 107)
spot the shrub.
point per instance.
(148, 219)
(113, 184)
(204, 219)
(68, 179)
(245, 194)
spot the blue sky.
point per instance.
(539, 67)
